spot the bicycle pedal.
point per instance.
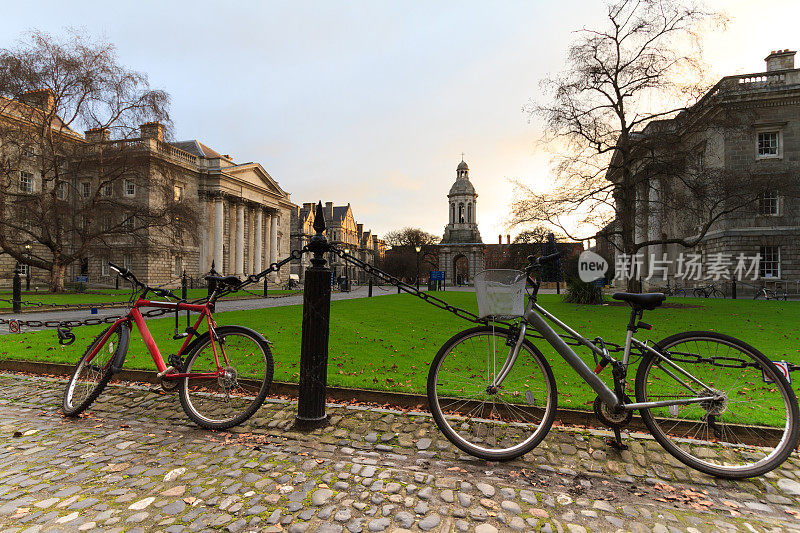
(178, 336)
(165, 372)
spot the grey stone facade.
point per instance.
(244, 217)
(747, 125)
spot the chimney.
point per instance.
(508, 239)
(780, 60)
(97, 135)
(309, 206)
(152, 130)
(41, 99)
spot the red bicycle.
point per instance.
(222, 375)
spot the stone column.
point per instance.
(273, 241)
(219, 225)
(239, 269)
(258, 251)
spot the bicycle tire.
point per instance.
(248, 378)
(98, 376)
(699, 293)
(729, 438)
(494, 435)
(757, 295)
(716, 293)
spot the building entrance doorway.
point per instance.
(460, 270)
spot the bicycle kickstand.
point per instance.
(616, 442)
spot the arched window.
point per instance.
(460, 213)
(452, 213)
(469, 213)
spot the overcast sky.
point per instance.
(372, 102)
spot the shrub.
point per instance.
(580, 292)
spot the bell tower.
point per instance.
(462, 225)
(461, 250)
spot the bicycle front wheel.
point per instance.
(239, 368)
(94, 371)
(748, 428)
(497, 422)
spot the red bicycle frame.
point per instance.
(135, 316)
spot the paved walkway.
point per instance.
(134, 463)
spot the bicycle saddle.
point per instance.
(233, 281)
(648, 300)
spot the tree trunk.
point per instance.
(57, 277)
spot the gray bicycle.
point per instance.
(714, 402)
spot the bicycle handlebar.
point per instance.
(535, 262)
(128, 275)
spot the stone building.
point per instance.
(746, 125)
(461, 250)
(244, 215)
(342, 231)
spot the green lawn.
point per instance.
(388, 342)
(116, 295)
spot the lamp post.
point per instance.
(28, 266)
(346, 273)
(418, 249)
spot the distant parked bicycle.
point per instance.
(222, 376)
(708, 291)
(770, 294)
(672, 290)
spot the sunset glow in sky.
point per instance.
(369, 102)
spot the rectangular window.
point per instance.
(178, 266)
(768, 144)
(127, 261)
(130, 222)
(104, 267)
(25, 181)
(770, 264)
(61, 190)
(178, 193)
(130, 188)
(768, 203)
(107, 223)
(28, 152)
(86, 189)
(107, 189)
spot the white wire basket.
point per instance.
(501, 293)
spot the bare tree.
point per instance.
(619, 114)
(401, 259)
(409, 236)
(63, 195)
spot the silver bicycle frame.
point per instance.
(534, 315)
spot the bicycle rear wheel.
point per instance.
(751, 426)
(228, 399)
(491, 424)
(91, 375)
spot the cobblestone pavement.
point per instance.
(135, 463)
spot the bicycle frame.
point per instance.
(535, 314)
(135, 316)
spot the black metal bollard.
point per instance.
(184, 286)
(369, 293)
(116, 282)
(266, 281)
(16, 291)
(733, 289)
(316, 329)
(398, 289)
